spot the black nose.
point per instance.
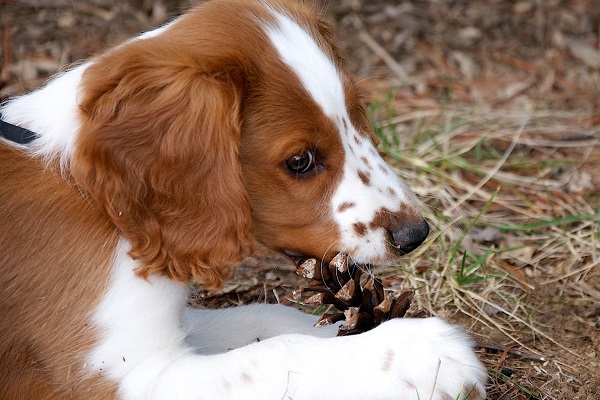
(409, 236)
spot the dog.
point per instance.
(162, 161)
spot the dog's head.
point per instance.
(238, 122)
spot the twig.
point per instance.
(491, 172)
(379, 51)
(510, 349)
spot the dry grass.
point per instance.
(505, 195)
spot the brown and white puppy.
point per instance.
(161, 161)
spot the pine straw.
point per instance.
(518, 174)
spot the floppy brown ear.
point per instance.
(158, 150)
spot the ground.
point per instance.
(490, 110)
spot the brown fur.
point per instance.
(51, 278)
(159, 150)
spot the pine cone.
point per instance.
(361, 306)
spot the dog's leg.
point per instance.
(218, 331)
(146, 332)
(401, 359)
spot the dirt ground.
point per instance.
(492, 56)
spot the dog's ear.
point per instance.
(158, 150)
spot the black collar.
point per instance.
(15, 133)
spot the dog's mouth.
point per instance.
(299, 258)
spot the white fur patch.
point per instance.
(140, 321)
(385, 190)
(312, 66)
(52, 113)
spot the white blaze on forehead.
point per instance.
(314, 68)
(368, 185)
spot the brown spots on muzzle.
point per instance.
(365, 161)
(360, 228)
(346, 206)
(390, 220)
(364, 177)
(392, 192)
(383, 169)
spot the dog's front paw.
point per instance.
(430, 359)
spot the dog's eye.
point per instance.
(301, 163)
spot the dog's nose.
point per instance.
(410, 236)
